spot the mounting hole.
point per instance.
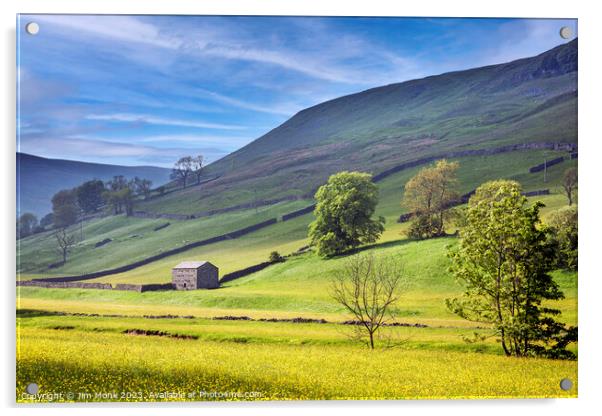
(566, 384)
(32, 388)
(32, 28)
(565, 32)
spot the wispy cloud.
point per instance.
(283, 108)
(523, 38)
(114, 152)
(229, 143)
(305, 64)
(161, 121)
(117, 28)
(133, 88)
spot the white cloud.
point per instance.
(286, 109)
(122, 28)
(79, 148)
(524, 38)
(226, 142)
(148, 119)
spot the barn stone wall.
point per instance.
(207, 277)
(184, 279)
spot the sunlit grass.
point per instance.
(63, 361)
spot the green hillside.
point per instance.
(134, 239)
(528, 101)
(531, 100)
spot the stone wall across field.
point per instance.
(102, 286)
(298, 212)
(244, 272)
(464, 199)
(209, 213)
(547, 164)
(143, 288)
(568, 147)
(131, 266)
(65, 285)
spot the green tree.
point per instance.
(64, 208)
(276, 257)
(142, 187)
(90, 195)
(47, 220)
(182, 169)
(197, 167)
(429, 195)
(120, 194)
(344, 209)
(503, 261)
(26, 224)
(564, 227)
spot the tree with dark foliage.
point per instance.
(143, 187)
(26, 225)
(197, 168)
(182, 170)
(65, 209)
(90, 196)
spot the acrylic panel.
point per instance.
(295, 208)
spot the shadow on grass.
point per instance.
(387, 244)
(34, 313)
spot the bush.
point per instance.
(563, 226)
(424, 227)
(275, 257)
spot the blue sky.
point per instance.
(145, 90)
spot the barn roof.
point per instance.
(190, 264)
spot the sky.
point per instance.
(146, 90)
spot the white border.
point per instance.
(590, 149)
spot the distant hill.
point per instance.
(38, 178)
(525, 101)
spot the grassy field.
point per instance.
(134, 238)
(72, 341)
(266, 361)
(298, 287)
(274, 360)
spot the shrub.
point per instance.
(563, 227)
(275, 257)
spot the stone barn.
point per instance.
(190, 275)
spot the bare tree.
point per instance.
(197, 167)
(368, 288)
(182, 170)
(569, 183)
(64, 242)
